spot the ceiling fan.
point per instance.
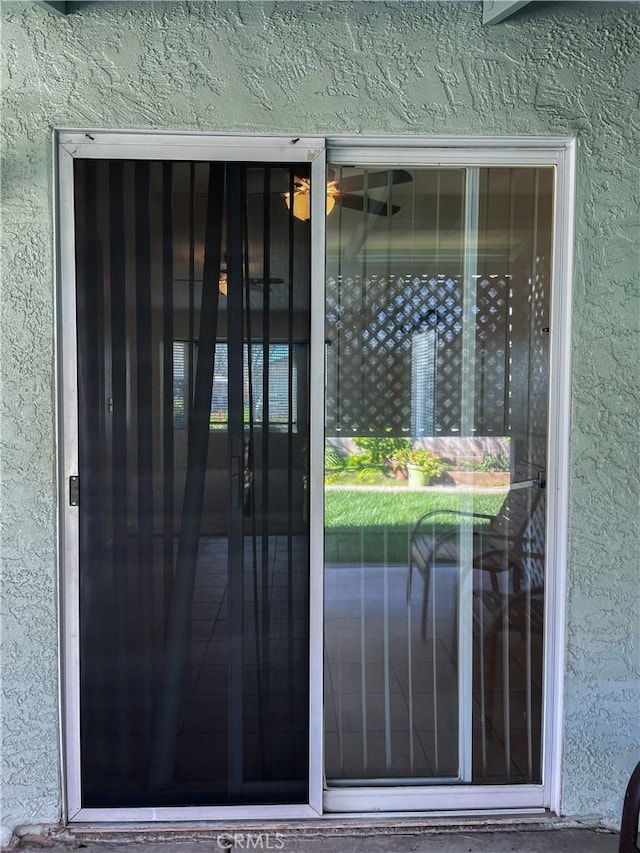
(343, 193)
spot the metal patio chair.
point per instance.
(506, 549)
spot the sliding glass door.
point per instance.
(437, 362)
(308, 417)
(193, 330)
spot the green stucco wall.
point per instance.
(336, 68)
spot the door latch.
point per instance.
(74, 491)
(540, 480)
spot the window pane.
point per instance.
(280, 408)
(438, 293)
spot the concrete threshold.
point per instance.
(340, 834)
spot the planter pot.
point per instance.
(417, 478)
(480, 478)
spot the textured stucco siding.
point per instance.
(336, 68)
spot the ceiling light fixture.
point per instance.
(345, 193)
(301, 208)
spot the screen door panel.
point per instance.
(193, 291)
(437, 329)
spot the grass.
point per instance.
(362, 477)
(373, 525)
(346, 508)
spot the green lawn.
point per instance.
(354, 507)
(373, 525)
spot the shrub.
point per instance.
(379, 449)
(334, 459)
(492, 462)
(426, 461)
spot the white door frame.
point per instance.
(557, 152)
(187, 147)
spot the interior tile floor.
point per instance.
(392, 709)
(391, 695)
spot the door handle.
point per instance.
(74, 491)
(540, 481)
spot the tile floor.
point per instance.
(391, 697)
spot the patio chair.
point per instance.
(505, 548)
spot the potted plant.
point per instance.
(421, 465)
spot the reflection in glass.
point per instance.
(437, 301)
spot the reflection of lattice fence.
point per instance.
(491, 383)
(539, 358)
(371, 324)
(535, 538)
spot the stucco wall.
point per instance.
(565, 68)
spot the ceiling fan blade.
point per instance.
(356, 202)
(355, 183)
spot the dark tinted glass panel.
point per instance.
(193, 285)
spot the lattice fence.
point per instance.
(372, 323)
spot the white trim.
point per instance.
(59, 437)
(420, 151)
(445, 142)
(101, 145)
(345, 150)
(169, 814)
(316, 484)
(560, 154)
(193, 137)
(67, 401)
(433, 798)
(494, 11)
(70, 146)
(455, 157)
(465, 532)
(478, 151)
(558, 474)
